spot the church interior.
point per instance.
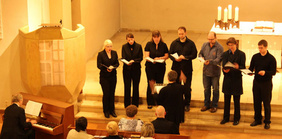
(79, 29)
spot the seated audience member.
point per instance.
(79, 132)
(130, 123)
(112, 129)
(163, 126)
(15, 125)
(147, 131)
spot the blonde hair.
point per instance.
(112, 128)
(17, 98)
(147, 130)
(107, 42)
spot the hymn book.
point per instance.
(125, 61)
(247, 71)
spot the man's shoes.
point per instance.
(150, 107)
(224, 121)
(187, 108)
(205, 108)
(266, 126)
(113, 114)
(213, 109)
(235, 122)
(255, 123)
(107, 115)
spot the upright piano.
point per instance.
(54, 119)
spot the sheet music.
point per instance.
(201, 59)
(175, 55)
(125, 61)
(33, 108)
(152, 60)
(229, 65)
(247, 71)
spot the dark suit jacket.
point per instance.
(14, 123)
(103, 59)
(163, 126)
(137, 56)
(171, 97)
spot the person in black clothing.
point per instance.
(132, 52)
(163, 126)
(186, 50)
(171, 97)
(112, 129)
(107, 62)
(264, 65)
(157, 50)
(15, 125)
(232, 82)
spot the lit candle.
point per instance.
(225, 15)
(219, 13)
(236, 14)
(229, 11)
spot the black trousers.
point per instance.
(236, 100)
(134, 77)
(108, 86)
(262, 92)
(187, 87)
(158, 76)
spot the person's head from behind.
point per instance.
(17, 98)
(156, 37)
(262, 46)
(130, 38)
(160, 112)
(232, 44)
(131, 111)
(112, 128)
(108, 44)
(80, 124)
(147, 130)
(172, 76)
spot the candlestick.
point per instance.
(219, 13)
(236, 14)
(225, 15)
(229, 11)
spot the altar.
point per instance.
(249, 39)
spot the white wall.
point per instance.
(196, 15)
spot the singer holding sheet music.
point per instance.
(15, 125)
(186, 49)
(156, 50)
(107, 62)
(264, 64)
(232, 81)
(131, 52)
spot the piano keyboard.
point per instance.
(43, 126)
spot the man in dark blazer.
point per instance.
(132, 52)
(15, 124)
(163, 126)
(171, 97)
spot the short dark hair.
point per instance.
(129, 35)
(172, 76)
(263, 42)
(131, 110)
(231, 40)
(80, 124)
(182, 27)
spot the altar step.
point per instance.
(195, 119)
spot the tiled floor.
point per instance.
(92, 79)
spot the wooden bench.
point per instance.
(128, 134)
